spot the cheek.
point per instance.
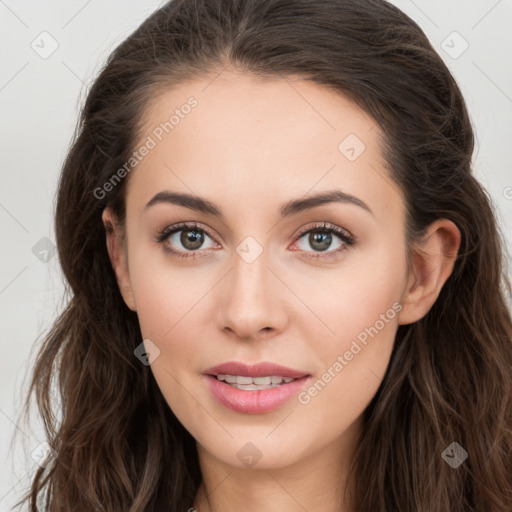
(361, 308)
(361, 294)
(170, 305)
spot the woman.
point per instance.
(287, 286)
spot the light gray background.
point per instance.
(40, 98)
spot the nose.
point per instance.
(252, 301)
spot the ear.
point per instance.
(432, 263)
(118, 256)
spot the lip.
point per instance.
(262, 369)
(254, 401)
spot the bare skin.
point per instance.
(248, 147)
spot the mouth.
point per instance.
(254, 389)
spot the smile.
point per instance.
(254, 383)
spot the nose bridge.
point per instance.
(251, 301)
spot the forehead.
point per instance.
(236, 135)
(240, 104)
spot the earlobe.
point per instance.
(433, 260)
(117, 254)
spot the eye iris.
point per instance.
(191, 239)
(322, 237)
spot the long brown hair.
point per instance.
(118, 444)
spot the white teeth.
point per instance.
(263, 380)
(243, 380)
(254, 383)
(253, 387)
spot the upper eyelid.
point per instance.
(327, 226)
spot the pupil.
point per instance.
(322, 238)
(192, 239)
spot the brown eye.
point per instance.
(320, 240)
(192, 239)
(324, 238)
(185, 240)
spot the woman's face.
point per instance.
(244, 284)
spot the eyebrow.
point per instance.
(287, 209)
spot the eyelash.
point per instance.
(347, 239)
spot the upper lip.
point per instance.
(262, 369)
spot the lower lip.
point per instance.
(254, 401)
